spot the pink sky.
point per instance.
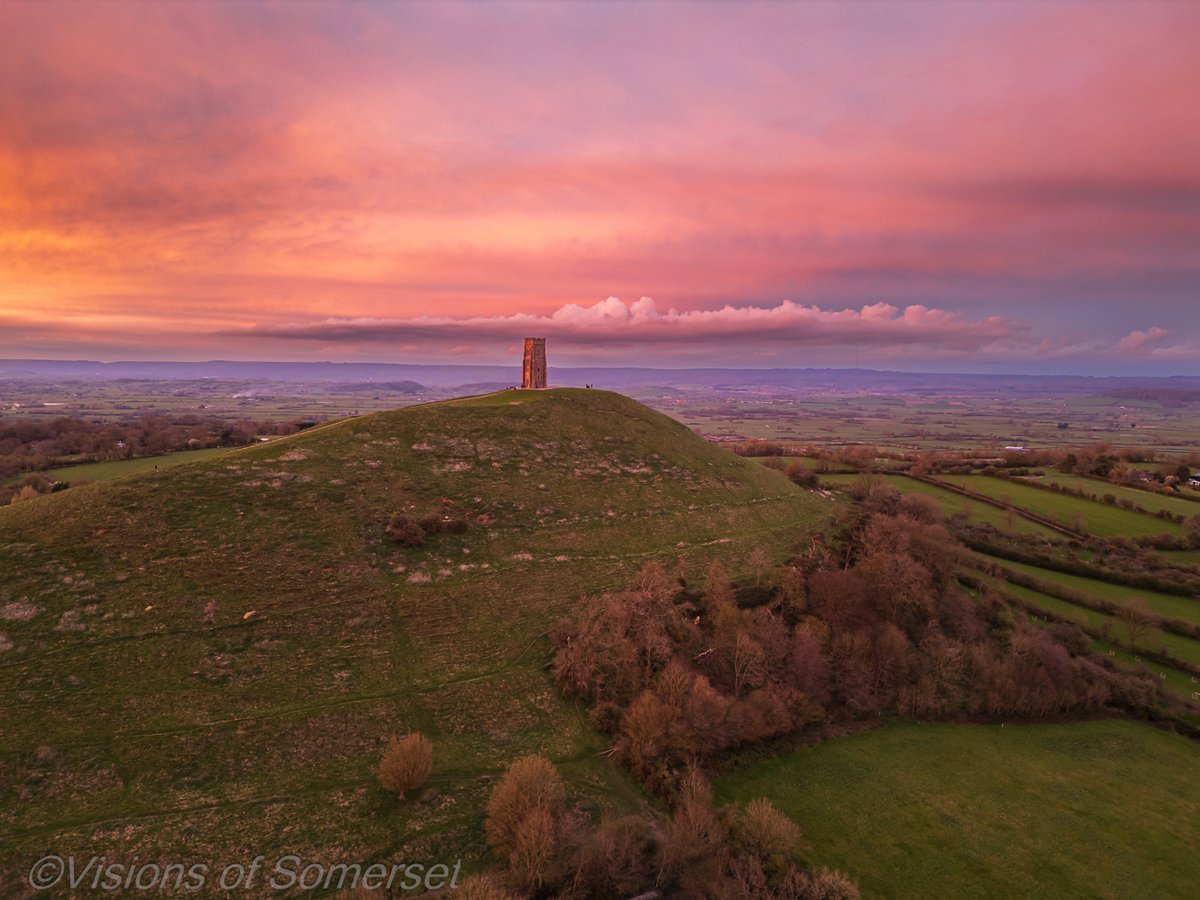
(901, 185)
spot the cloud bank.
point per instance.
(613, 322)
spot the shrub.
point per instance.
(531, 783)
(1191, 527)
(824, 884)
(616, 858)
(28, 492)
(483, 887)
(405, 531)
(406, 763)
(768, 835)
(923, 509)
(802, 475)
(605, 717)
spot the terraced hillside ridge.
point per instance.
(204, 662)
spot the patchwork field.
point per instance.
(1097, 518)
(1148, 500)
(226, 398)
(949, 417)
(953, 504)
(1173, 606)
(1184, 649)
(1103, 809)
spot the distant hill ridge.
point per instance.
(615, 378)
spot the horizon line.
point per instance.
(567, 368)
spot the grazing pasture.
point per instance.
(1097, 518)
(106, 471)
(1172, 606)
(1104, 809)
(1153, 501)
(1182, 648)
(953, 504)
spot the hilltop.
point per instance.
(203, 662)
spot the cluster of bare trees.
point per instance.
(551, 848)
(38, 444)
(872, 625)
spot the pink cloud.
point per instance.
(200, 168)
(1140, 341)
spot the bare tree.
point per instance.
(531, 783)
(760, 565)
(407, 763)
(1137, 619)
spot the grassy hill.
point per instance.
(203, 662)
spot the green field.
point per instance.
(1171, 606)
(810, 462)
(1101, 520)
(132, 722)
(106, 471)
(1180, 647)
(1186, 558)
(1103, 809)
(1183, 684)
(954, 504)
(1148, 500)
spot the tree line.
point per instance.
(549, 847)
(29, 447)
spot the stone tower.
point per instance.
(533, 368)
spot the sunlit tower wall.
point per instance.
(533, 368)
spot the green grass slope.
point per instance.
(106, 471)
(132, 725)
(1097, 518)
(1091, 809)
